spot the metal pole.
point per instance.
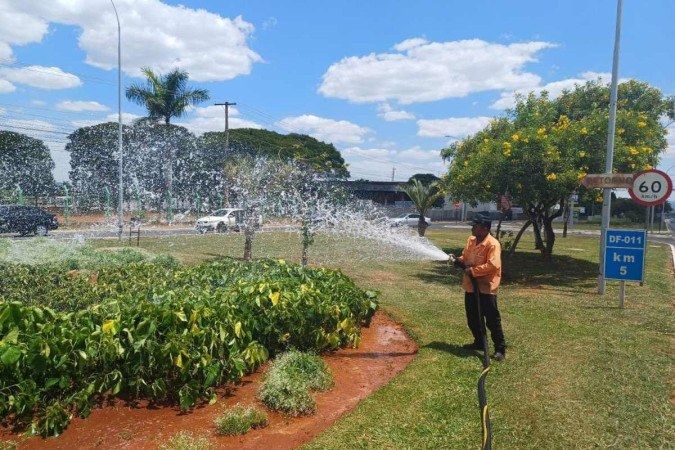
(609, 160)
(651, 220)
(120, 217)
(622, 293)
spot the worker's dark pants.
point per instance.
(488, 309)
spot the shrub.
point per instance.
(186, 441)
(239, 420)
(289, 379)
(160, 333)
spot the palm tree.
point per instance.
(166, 96)
(423, 196)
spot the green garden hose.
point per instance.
(482, 395)
(486, 425)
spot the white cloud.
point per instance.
(61, 159)
(358, 152)
(127, 118)
(324, 129)
(40, 77)
(70, 105)
(453, 126)
(670, 138)
(377, 163)
(554, 89)
(410, 43)
(6, 87)
(17, 28)
(212, 118)
(38, 102)
(386, 112)
(210, 47)
(422, 71)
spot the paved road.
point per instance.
(106, 233)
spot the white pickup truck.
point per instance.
(222, 220)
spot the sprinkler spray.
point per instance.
(486, 425)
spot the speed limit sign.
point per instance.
(651, 187)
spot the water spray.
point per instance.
(486, 425)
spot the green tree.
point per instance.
(423, 196)
(26, 164)
(543, 148)
(93, 163)
(324, 158)
(428, 179)
(164, 97)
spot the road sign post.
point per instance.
(624, 257)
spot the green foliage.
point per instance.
(322, 157)
(539, 153)
(186, 441)
(239, 420)
(423, 196)
(163, 333)
(166, 96)
(289, 380)
(25, 163)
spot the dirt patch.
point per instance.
(385, 350)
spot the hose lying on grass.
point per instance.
(486, 425)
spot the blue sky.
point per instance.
(384, 81)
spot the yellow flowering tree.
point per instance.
(541, 150)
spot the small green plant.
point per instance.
(239, 420)
(290, 378)
(186, 441)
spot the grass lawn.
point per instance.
(579, 372)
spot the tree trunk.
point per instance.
(499, 227)
(547, 251)
(304, 255)
(566, 218)
(538, 242)
(248, 244)
(512, 250)
(422, 225)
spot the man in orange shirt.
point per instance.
(481, 258)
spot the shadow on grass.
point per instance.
(453, 349)
(525, 268)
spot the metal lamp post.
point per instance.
(120, 217)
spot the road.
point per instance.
(107, 233)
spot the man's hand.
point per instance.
(467, 271)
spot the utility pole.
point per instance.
(227, 123)
(393, 172)
(120, 212)
(609, 160)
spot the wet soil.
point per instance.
(385, 350)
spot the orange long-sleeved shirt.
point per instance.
(485, 260)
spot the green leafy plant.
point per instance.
(289, 380)
(143, 330)
(240, 419)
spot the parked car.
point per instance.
(222, 220)
(26, 220)
(411, 220)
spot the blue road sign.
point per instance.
(625, 254)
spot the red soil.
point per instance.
(385, 350)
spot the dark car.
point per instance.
(26, 220)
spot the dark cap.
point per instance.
(482, 221)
